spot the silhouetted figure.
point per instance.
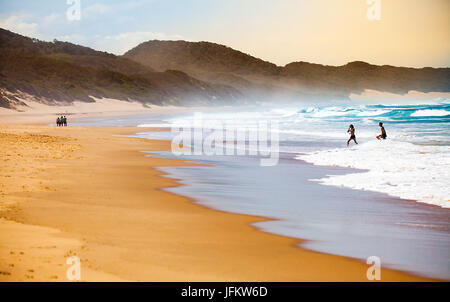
(65, 121)
(351, 131)
(383, 132)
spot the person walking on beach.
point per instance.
(57, 121)
(351, 131)
(65, 121)
(383, 132)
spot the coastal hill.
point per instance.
(198, 56)
(186, 73)
(59, 72)
(221, 64)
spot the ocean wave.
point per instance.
(372, 113)
(430, 112)
(399, 169)
(398, 113)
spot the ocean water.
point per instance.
(385, 198)
(412, 163)
(405, 235)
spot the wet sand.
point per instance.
(86, 191)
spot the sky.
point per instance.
(413, 33)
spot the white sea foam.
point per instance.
(373, 113)
(154, 126)
(430, 112)
(399, 169)
(413, 163)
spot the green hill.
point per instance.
(63, 72)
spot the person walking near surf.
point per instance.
(383, 132)
(351, 131)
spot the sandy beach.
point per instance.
(224, 141)
(89, 192)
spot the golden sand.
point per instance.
(87, 192)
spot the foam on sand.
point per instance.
(400, 169)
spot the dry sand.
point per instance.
(36, 113)
(87, 192)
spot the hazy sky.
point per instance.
(409, 33)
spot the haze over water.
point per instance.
(412, 163)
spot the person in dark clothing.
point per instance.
(351, 131)
(65, 121)
(383, 132)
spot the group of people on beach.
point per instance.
(61, 121)
(351, 131)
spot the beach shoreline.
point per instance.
(99, 182)
(324, 219)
